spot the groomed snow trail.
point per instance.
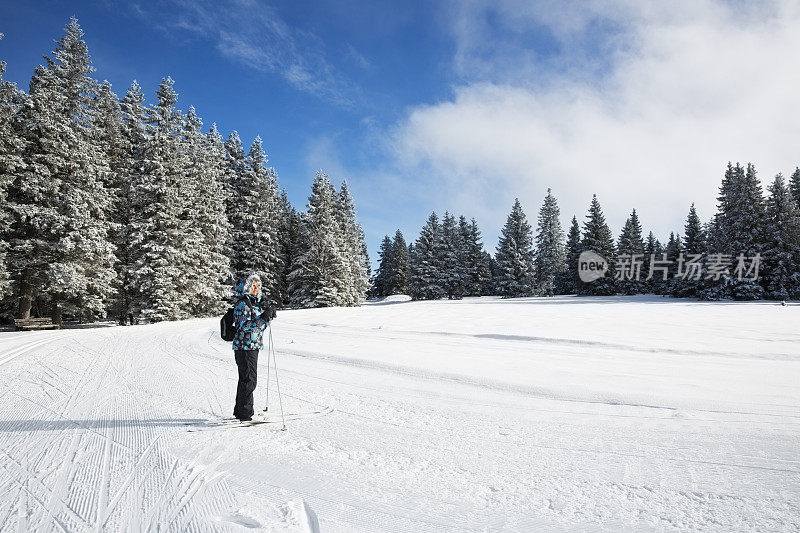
(562, 414)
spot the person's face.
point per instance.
(254, 288)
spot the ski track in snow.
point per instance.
(563, 414)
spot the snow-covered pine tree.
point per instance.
(274, 209)
(738, 230)
(108, 132)
(451, 258)
(289, 239)
(362, 239)
(488, 287)
(550, 252)
(398, 278)
(193, 247)
(482, 258)
(11, 149)
(494, 271)
(218, 162)
(780, 274)
(317, 277)
(568, 283)
(236, 215)
(694, 239)
(133, 138)
(718, 241)
(160, 230)
(713, 231)
(673, 249)
(116, 147)
(630, 245)
(209, 267)
(794, 185)
(515, 256)
(424, 283)
(467, 271)
(694, 244)
(597, 237)
(357, 277)
(385, 268)
(749, 229)
(60, 245)
(477, 267)
(651, 249)
(257, 216)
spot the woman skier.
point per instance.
(251, 316)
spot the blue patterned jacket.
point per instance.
(248, 323)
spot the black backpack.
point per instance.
(226, 328)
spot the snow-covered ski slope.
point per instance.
(561, 414)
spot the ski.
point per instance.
(236, 423)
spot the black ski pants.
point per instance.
(247, 361)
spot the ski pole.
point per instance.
(277, 383)
(269, 349)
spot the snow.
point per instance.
(563, 414)
(393, 298)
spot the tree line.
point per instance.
(751, 233)
(111, 206)
(115, 207)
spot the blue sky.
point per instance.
(464, 105)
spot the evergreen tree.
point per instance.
(237, 217)
(738, 230)
(12, 146)
(568, 279)
(257, 214)
(363, 254)
(393, 270)
(60, 248)
(132, 140)
(550, 253)
(398, 279)
(465, 266)
(353, 246)
(116, 147)
(494, 272)
(674, 251)
(488, 283)
(597, 237)
(451, 258)
(780, 275)
(385, 268)
(694, 235)
(794, 185)
(289, 237)
(694, 249)
(160, 230)
(515, 256)
(630, 247)
(478, 276)
(209, 267)
(317, 277)
(425, 282)
(652, 250)
(219, 166)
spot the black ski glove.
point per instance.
(268, 314)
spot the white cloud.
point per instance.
(682, 88)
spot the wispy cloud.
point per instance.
(252, 33)
(492, 40)
(687, 86)
(357, 58)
